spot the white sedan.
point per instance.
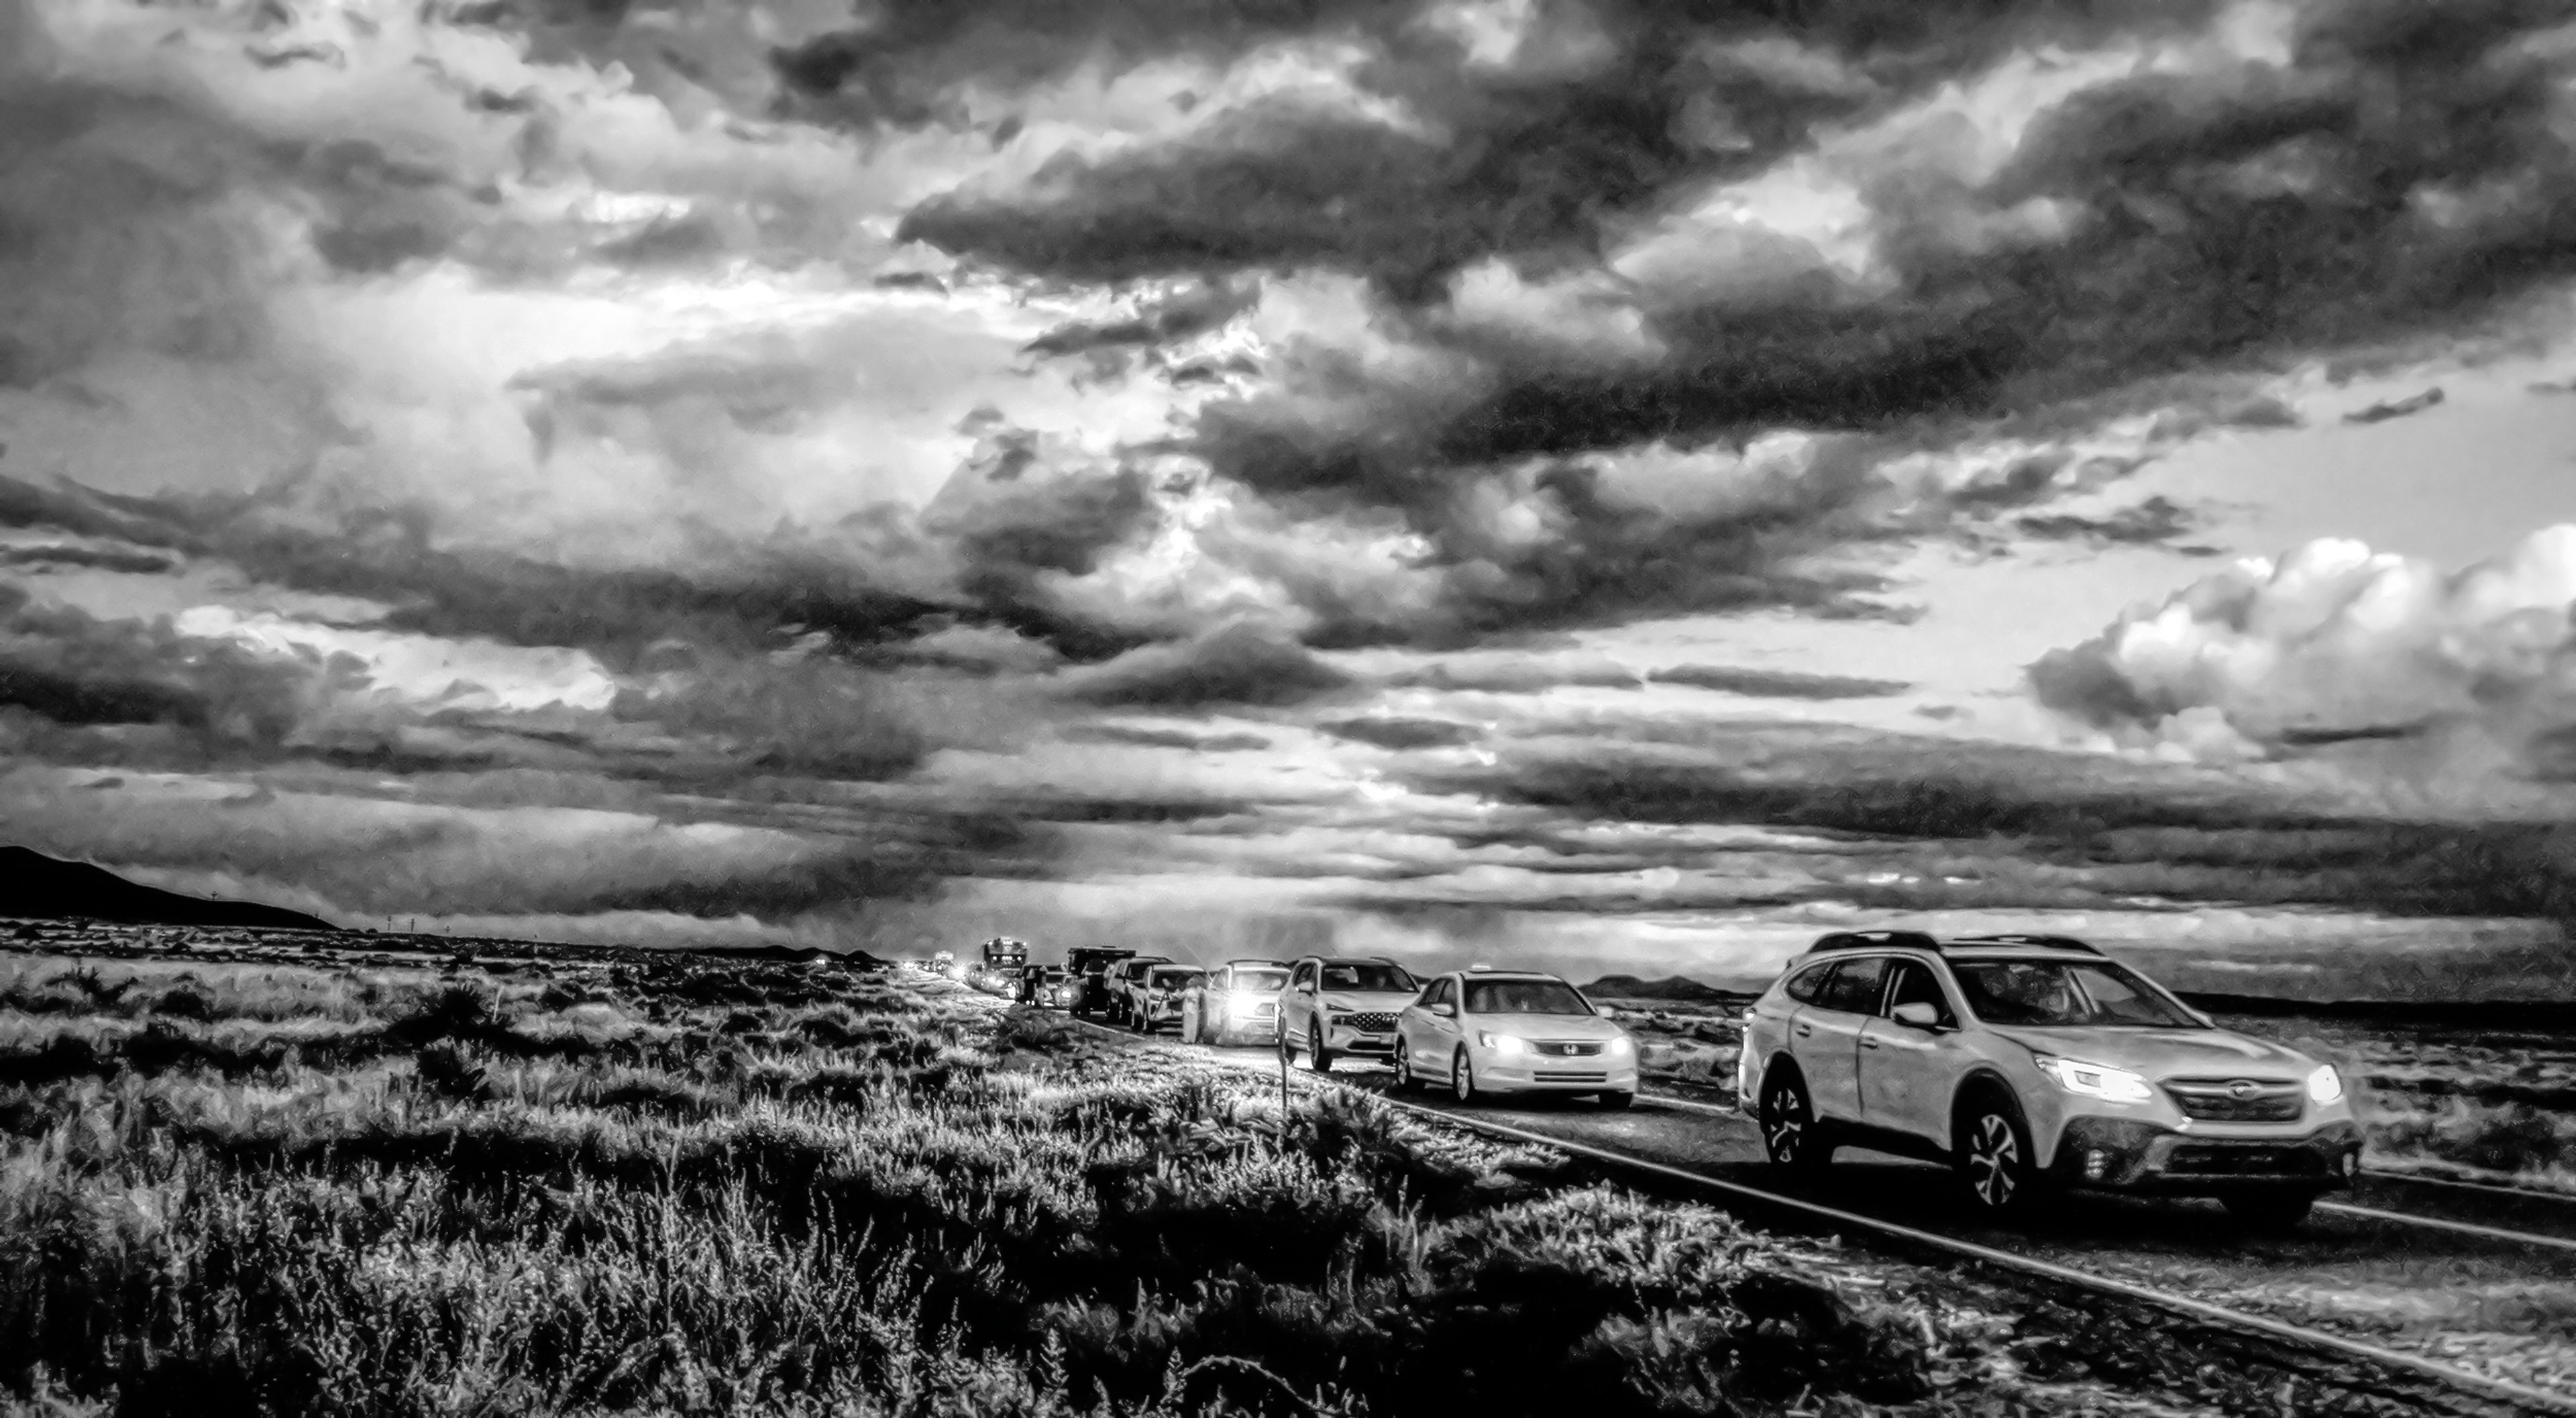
(1488, 1031)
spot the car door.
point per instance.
(1433, 1038)
(1296, 1006)
(1907, 1074)
(1825, 1036)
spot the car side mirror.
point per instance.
(1445, 1011)
(1915, 1014)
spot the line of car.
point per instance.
(2029, 1064)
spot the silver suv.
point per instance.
(2031, 1062)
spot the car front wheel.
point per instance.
(1789, 1133)
(1462, 1077)
(1405, 1082)
(1318, 1057)
(1994, 1159)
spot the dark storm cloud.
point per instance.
(1778, 684)
(1238, 663)
(2158, 519)
(2401, 171)
(1163, 738)
(2396, 408)
(1401, 733)
(76, 670)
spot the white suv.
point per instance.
(2034, 1061)
(1336, 1005)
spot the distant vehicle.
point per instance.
(944, 963)
(1238, 1003)
(1159, 997)
(1091, 965)
(1127, 985)
(1483, 1032)
(2031, 1063)
(1051, 987)
(1002, 953)
(1337, 1005)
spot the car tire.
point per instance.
(2270, 1210)
(1405, 1082)
(1462, 1077)
(1616, 1101)
(1791, 1135)
(1993, 1157)
(1319, 1056)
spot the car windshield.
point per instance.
(1174, 979)
(1524, 997)
(1377, 979)
(2064, 992)
(1261, 981)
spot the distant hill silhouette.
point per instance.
(1671, 987)
(34, 886)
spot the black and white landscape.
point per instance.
(544, 546)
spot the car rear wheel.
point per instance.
(1462, 1077)
(2270, 1211)
(1994, 1158)
(1790, 1136)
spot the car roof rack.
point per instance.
(1873, 940)
(2053, 942)
(1258, 960)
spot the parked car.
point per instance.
(1158, 995)
(1124, 980)
(1090, 965)
(1491, 1031)
(2032, 1063)
(1337, 1005)
(1238, 1003)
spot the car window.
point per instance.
(1854, 988)
(1260, 982)
(1369, 977)
(2064, 992)
(1914, 983)
(1524, 997)
(1803, 986)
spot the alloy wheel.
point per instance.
(1994, 1161)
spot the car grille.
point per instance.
(1567, 1051)
(2237, 1100)
(1543, 1076)
(1377, 1022)
(2212, 1160)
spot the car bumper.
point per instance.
(2115, 1154)
(1579, 1075)
(1342, 1039)
(1264, 1027)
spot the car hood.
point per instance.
(2169, 1053)
(1575, 1027)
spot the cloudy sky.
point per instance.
(1609, 483)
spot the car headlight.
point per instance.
(2325, 1085)
(1620, 1048)
(1244, 1006)
(2093, 1080)
(1501, 1043)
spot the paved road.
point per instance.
(2501, 1305)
